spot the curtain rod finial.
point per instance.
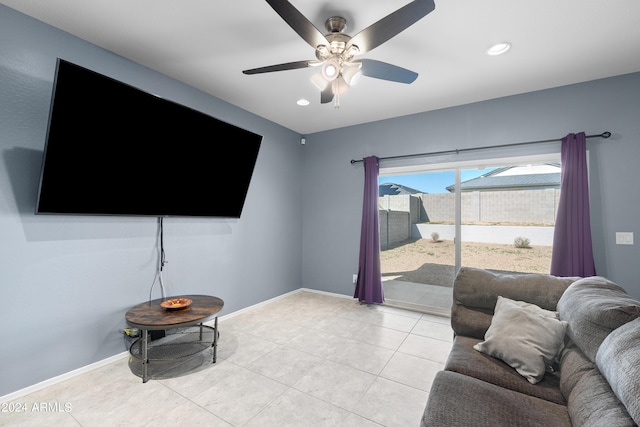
(606, 134)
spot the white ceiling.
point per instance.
(207, 44)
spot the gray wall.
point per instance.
(66, 282)
(331, 237)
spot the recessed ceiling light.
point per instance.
(302, 102)
(499, 48)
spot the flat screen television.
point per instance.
(113, 149)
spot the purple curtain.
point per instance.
(572, 253)
(369, 284)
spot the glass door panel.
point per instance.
(508, 216)
(417, 239)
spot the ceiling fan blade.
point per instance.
(392, 25)
(384, 71)
(298, 22)
(281, 67)
(326, 95)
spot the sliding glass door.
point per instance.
(496, 215)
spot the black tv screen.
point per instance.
(113, 149)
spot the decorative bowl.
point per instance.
(176, 303)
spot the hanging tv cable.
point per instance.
(163, 261)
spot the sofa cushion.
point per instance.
(573, 366)
(593, 307)
(463, 359)
(619, 361)
(457, 400)
(590, 399)
(476, 291)
(525, 336)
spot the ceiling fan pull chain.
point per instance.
(336, 94)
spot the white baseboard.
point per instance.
(331, 294)
(60, 378)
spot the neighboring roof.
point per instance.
(511, 177)
(391, 189)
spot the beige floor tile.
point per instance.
(411, 370)
(186, 414)
(22, 414)
(285, 365)
(240, 397)
(318, 343)
(363, 356)
(436, 319)
(392, 320)
(242, 348)
(334, 383)
(435, 330)
(427, 348)
(341, 326)
(402, 312)
(354, 420)
(392, 404)
(379, 336)
(132, 406)
(193, 384)
(295, 408)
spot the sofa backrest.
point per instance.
(590, 399)
(619, 361)
(476, 291)
(593, 307)
(600, 365)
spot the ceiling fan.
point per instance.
(336, 51)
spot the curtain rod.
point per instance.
(604, 135)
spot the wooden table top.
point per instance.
(150, 316)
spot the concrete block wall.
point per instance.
(395, 227)
(517, 206)
(529, 206)
(404, 203)
(438, 207)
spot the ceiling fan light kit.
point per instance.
(336, 50)
(330, 69)
(351, 73)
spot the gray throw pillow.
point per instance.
(525, 336)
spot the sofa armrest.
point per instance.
(476, 291)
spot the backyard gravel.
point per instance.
(431, 262)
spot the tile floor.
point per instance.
(306, 359)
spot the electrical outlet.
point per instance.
(355, 279)
(624, 238)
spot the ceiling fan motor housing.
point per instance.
(338, 41)
(336, 24)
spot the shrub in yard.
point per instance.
(521, 242)
(435, 236)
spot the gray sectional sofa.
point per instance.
(538, 350)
